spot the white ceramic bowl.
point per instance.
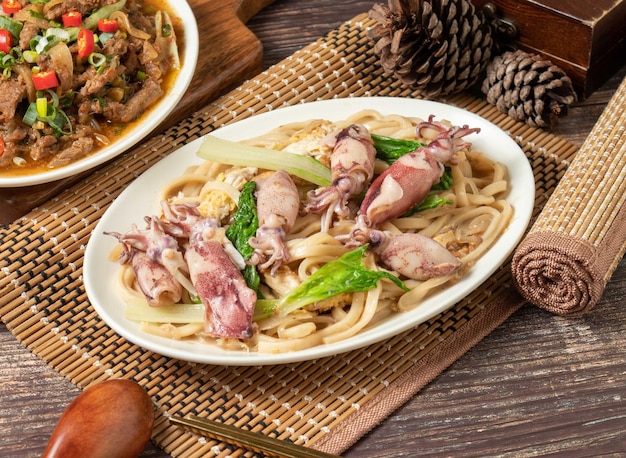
(140, 130)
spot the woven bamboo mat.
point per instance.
(326, 404)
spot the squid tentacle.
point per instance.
(352, 168)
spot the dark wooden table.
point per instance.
(539, 384)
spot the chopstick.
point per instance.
(245, 439)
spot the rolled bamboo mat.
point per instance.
(575, 244)
(327, 403)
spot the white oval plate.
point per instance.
(145, 125)
(140, 198)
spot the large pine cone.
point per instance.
(439, 46)
(528, 88)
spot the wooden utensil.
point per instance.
(246, 439)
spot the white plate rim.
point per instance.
(142, 128)
(124, 210)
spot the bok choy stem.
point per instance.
(234, 153)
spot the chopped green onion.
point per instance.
(234, 153)
(30, 117)
(103, 37)
(53, 96)
(59, 121)
(73, 31)
(97, 59)
(141, 75)
(58, 34)
(7, 61)
(32, 44)
(67, 99)
(91, 22)
(42, 106)
(55, 118)
(30, 56)
(45, 43)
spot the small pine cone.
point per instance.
(528, 88)
(439, 46)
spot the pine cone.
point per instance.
(528, 88)
(439, 46)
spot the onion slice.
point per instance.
(124, 21)
(63, 64)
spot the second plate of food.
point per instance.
(101, 91)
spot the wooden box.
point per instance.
(586, 38)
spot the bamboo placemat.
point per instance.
(326, 404)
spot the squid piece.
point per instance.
(352, 168)
(403, 185)
(229, 302)
(159, 247)
(146, 252)
(277, 206)
(157, 284)
(407, 181)
(416, 256)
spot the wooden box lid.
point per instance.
(586, 38)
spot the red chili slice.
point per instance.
(2, 146)
(6, 41)
(11, 6)
(45, 79)
(107, 25)
(86, 43)
(72, 19)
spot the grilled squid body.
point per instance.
(416, 256)
(156, 282)
(156, 261)
(229, 303)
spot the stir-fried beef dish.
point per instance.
(75, 73)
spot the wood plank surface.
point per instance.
(229, 51)
(538, 385)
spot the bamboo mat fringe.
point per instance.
(328, 403)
